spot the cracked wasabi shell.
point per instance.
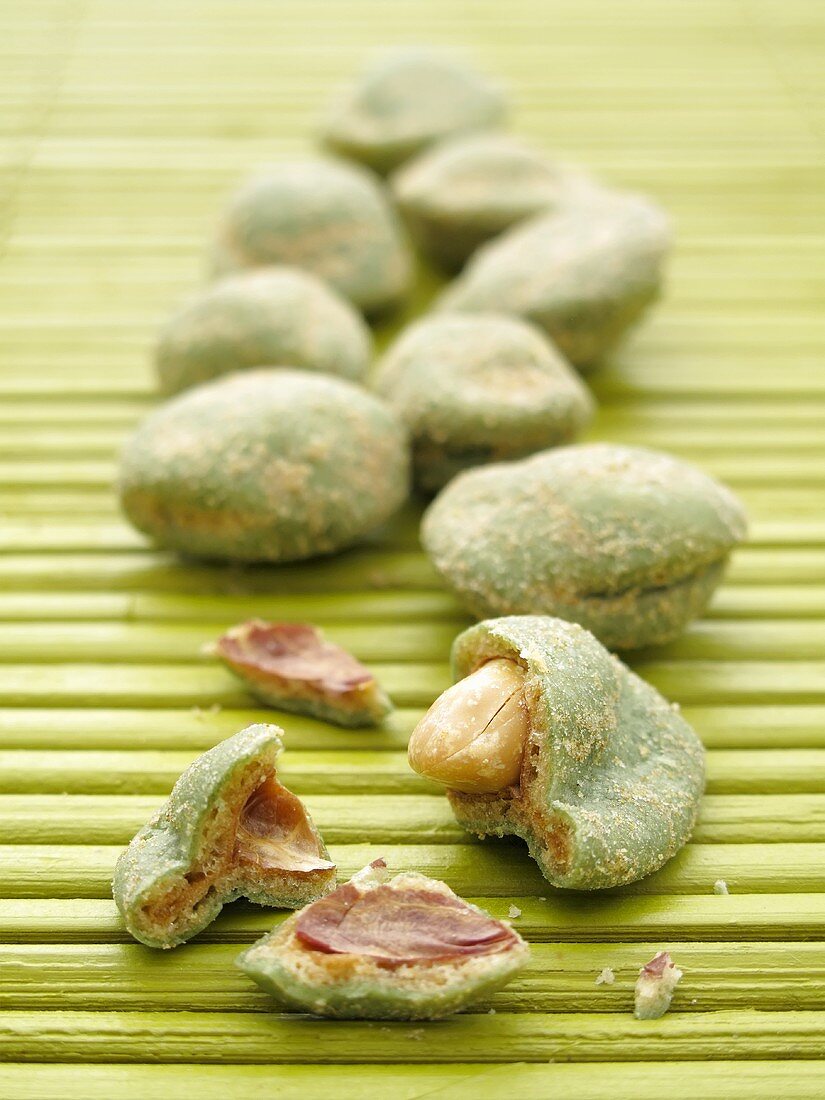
(274, 317)
(326, 216)
(629, 543)
(265, 465)
(479, 388)
(465, 191)
(381, 948)
(406, 100)
(584, 273)
(229, 829)
(564, 747)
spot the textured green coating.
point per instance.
(477, 388)
(406, 100)
(612, 775)
(265, 465)
(171, 844)
(628, 542)
(466, 190)
(585, 273)
(273, 317)
(372, 992)
(326, 216)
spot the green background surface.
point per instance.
(122, 127)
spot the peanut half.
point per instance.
(472, 738)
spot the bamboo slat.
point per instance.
(557, 917)
(76, 1036)
(114, 819)
(719, 1079)
(559, 978)
(495, 869)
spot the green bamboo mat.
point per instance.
(121, 128)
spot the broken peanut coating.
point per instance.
(326, 216)
(405, 948)
(607, 783)
(277, 316)
(229, 829)
(292, 667)
(629, 543)
(265, 465)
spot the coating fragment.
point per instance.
(290, 666)
(278, 316)
(628, 542)
(464, 191)
(406, 100)
(654, 987)
(479, 388)
(611, 776)
(584, 273)
(405, 948)
(325, 216)
(265, 465)
(229, 829)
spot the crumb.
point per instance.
(491, 1012)
(208, 649)
(654, 987)
(514, 912)
(607, 977)
(202, 713)
(720, 887)
(417, 1035)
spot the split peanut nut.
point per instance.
(472, 738)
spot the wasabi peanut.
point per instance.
(628, 542)
(479, 388)
(292, 667)
(405, 101)
(265, 465)
(326, 216)
(548, 737)
(229, 829)
(585, 273)
(274, 317)
(405, 948)
(463, 192)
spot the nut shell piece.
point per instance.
(292, 667)
(229, 829)
(272, 317)
(628, 542)
(479, 388)
(612, 775)
(584, 273)
(406, 100)
(464, 191)
(406, 949)
(265, 465)
(326, 216)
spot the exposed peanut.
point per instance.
(472, 738)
